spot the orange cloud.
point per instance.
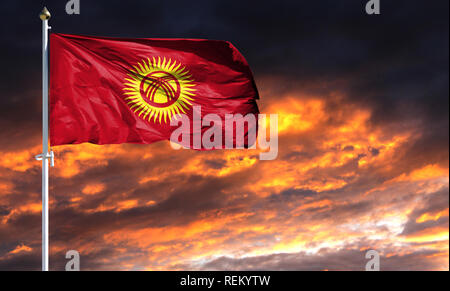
(430, 235)
(21, 161)
(432, 216)
(295, 116)
(20, 249)
(314, 197)
(93, 189)
(426, 173)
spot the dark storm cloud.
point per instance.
(399, 56)
(432, 204)
(326, 259)
(22, 262)
(181, 198)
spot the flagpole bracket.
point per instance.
(49, 156)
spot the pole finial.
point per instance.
(45, 14)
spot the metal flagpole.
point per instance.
(46, 155)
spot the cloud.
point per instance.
(432, 215)
(363, 154)
(174, 209)
(327, 260)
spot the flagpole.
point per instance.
(46, 155)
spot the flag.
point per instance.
(119, 90)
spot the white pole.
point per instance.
(45, 16)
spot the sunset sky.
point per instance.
(363, 145)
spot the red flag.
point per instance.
(114, 90)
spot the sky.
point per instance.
(363, 158)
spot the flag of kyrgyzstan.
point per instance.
(115, 90)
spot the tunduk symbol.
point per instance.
(160, 89)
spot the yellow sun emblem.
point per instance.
(159, 89)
